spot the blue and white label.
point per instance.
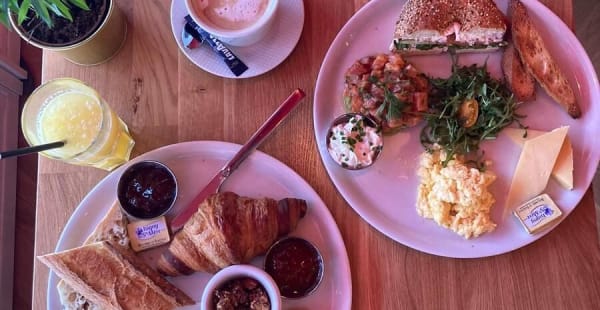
(150, 230)
(537, 215)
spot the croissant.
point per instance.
(229, 229)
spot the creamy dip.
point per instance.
(231, 14)
(354, 144)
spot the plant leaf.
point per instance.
(82, 4)
(23, 11)
(4, 19)
(60, 9)
(4, 11)
(51, 5)
(13, 5)
(41, 9)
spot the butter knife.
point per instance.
(257, 138)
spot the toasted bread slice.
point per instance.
(538, 61)
(519, 81)
(72, 300)
(114, 278)
(112, 228)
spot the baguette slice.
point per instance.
(112, 228)
(519, 81)
(538, 61)
(114, 278)
(73, 300)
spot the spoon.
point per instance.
(259, 136)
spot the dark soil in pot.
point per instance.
(65, 32)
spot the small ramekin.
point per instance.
(242, 37)
(121, 188)
(343, 119)
(241, 271)
(279, 245)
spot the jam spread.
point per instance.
(147, 190)
(295, 265)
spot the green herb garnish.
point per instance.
(391, 106)
(444, 126)
(394, 105)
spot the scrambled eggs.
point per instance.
(456, 196)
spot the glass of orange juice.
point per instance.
(67, 110)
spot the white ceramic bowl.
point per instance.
(242, 37)
(240, 271)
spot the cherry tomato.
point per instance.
(468, 113)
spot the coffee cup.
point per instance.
(234, 22)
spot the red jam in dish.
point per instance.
(295, 265)
(147, 190)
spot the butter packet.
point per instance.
(148, 234)
(537, 213)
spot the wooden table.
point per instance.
(165, 99)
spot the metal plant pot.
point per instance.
(98, 47)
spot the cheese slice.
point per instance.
(563, 168)
(534, 167)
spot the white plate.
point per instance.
(261, 57)
(194, 163)
(385, 194)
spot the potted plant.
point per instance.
(85, 32)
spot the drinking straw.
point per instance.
(31, 149)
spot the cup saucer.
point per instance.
(261, 57)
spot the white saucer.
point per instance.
(261, 57)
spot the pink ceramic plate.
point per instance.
(194, 163)
(385, 194)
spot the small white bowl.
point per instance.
(241, 271)
(241, 37)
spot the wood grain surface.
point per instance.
(166, 99)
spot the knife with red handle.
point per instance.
(259, 136)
